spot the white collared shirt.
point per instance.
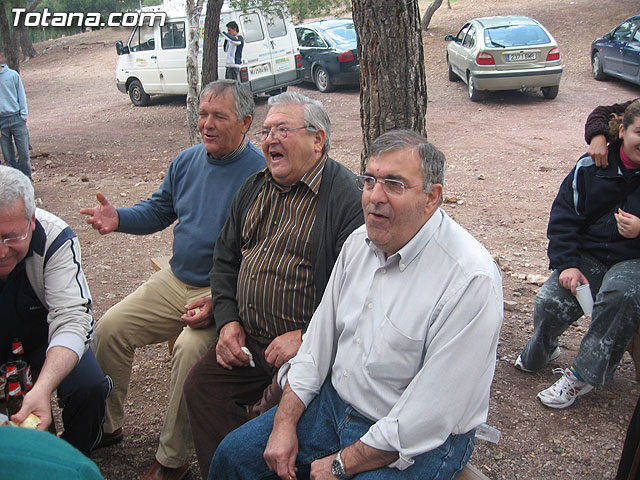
(410, 341)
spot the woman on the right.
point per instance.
(593, 232)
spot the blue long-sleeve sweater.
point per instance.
(197, 190)
(12, 97)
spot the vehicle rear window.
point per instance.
(515, 36)
(342, 34)
(275, 25)
(252, 27)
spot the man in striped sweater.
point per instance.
(271, 264)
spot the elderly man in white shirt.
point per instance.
(394, 372)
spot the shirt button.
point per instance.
(250, 305)
(253, 277)
(346, 374)
(383, 271)
(358, 341)
(370, 306)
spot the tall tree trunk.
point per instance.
(21, 34)
(426, 18)
(210, 43)
(22, 39)
(9, 48)
(193, 21)
(393, 89)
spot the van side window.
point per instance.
(275, 25)
(252, 27)
(172, 35)
(142, 39)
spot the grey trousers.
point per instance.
(615, 318)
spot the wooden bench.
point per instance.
(472, 473)
(634, 350)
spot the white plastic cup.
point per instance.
(488, 433)
(583, 295)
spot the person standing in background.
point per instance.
(13, 120)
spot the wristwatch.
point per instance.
(337, 468)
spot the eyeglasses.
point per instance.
(279, 133)
(11, 241)
(390, 186)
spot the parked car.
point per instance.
(504, 53)
(617, 53)
(329, 51)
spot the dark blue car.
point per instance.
(329, 51)
(617, 53)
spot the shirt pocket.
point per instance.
(394, 357)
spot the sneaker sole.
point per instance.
(518, 363)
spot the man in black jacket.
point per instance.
(271, 264)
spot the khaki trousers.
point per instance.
(147, 316)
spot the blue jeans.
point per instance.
(615, 318)
(14, 129)
(327, 425)
(82, 396)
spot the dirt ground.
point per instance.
(506, 159)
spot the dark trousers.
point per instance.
(232, 73)
(630, 448)
(217, 398)
(81, 396)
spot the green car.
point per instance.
(504, 53)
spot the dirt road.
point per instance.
(506, 159)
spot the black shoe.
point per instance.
(109, 439)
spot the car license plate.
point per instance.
(259, 69)
(519, 57)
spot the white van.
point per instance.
(153, 62)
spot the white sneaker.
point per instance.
(564, 392)
(518, 363)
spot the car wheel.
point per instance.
(138, 96)
(550, 92)
(323, 81)
(474, 94)
(452, 76)
(596, 67)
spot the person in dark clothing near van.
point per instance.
(233, 45)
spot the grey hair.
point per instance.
(243, 98)
(315, 116)
(431, 159)
(14, 186)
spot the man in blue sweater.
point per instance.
(13, 120)
(197, 191)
